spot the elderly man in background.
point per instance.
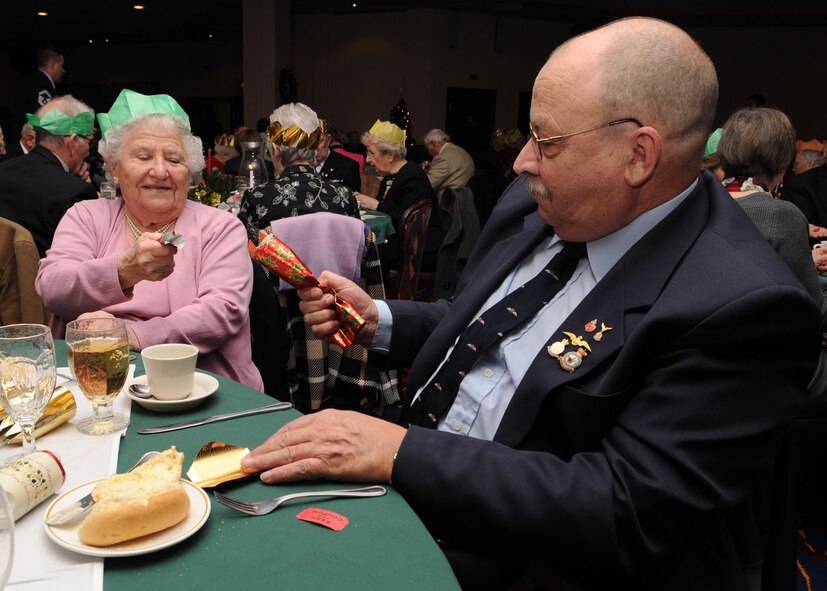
(37, 190)
(806, 160)
(450, 166)
(294, 134)
(618, 405)
(336, 167)
(25, 144)
(808, 190)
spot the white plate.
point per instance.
(67, 536)
(203, 387)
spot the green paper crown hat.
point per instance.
(712, 142)
(130, 104)
(57, 122)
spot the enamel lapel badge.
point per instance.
(571, 350)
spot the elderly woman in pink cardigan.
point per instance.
(106, 257)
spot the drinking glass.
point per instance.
(27, 375)
(6, 538)
(98, 353)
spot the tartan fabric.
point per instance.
(320, 374)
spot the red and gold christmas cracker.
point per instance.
(280, 258)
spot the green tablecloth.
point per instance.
(380, 224)
(385, 546)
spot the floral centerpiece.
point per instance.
(216, 190)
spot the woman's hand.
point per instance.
(366, 201)
(320, 315)
(146, 260)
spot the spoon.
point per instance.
(140, 391)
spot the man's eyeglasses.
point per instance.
(89, 139)
(554, 139)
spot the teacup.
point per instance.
(170, 370)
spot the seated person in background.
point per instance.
(808, 190)
(451, 166)
(246, 135)
(333, 166)
(107, 258)
(297, 189)
(619, 409)
(755, 148)
(337, 143)
(223, 151)
(26, 143)
(403, 184)
(38, 189)
(807, 159)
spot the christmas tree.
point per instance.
(401, 116)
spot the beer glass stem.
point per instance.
(103, 412)
(27, 435)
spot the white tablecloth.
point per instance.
(40, 564)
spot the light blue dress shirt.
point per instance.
(486, 391)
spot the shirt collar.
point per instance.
(606, 251)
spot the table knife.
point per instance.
(216, 418)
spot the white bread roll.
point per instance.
(147, 500)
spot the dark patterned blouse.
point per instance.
(298, 190)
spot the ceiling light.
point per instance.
(90, 41)
(42, 13)
(138, 7)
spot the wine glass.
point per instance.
(98, 353)
(6, 538)
(27, 375)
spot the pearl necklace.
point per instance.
(136, 232)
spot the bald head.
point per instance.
(653, 71)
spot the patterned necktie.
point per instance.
(513, 310)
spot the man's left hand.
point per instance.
(331, 444)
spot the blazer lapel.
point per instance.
(619, 301)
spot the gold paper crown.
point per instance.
(389, 132)
(323, 126)
(225, 140)
(292, 137)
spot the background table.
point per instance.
(380, 224)
(385, 546)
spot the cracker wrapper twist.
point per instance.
(280, 258)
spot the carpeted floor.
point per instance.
(812, 556)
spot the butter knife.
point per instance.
(216, 418)
(80, 507)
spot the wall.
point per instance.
(351, 68)
(785, 64)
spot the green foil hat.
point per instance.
(130, 104)
(57, 122)
(712, 142)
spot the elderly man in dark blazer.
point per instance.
(601, 420)
(35, 191)
(335, 167)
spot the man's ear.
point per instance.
(644, 157)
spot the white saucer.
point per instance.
(203, 387)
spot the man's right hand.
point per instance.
(320, 315)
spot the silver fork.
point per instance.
(265, 507)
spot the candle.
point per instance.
(250, 185)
